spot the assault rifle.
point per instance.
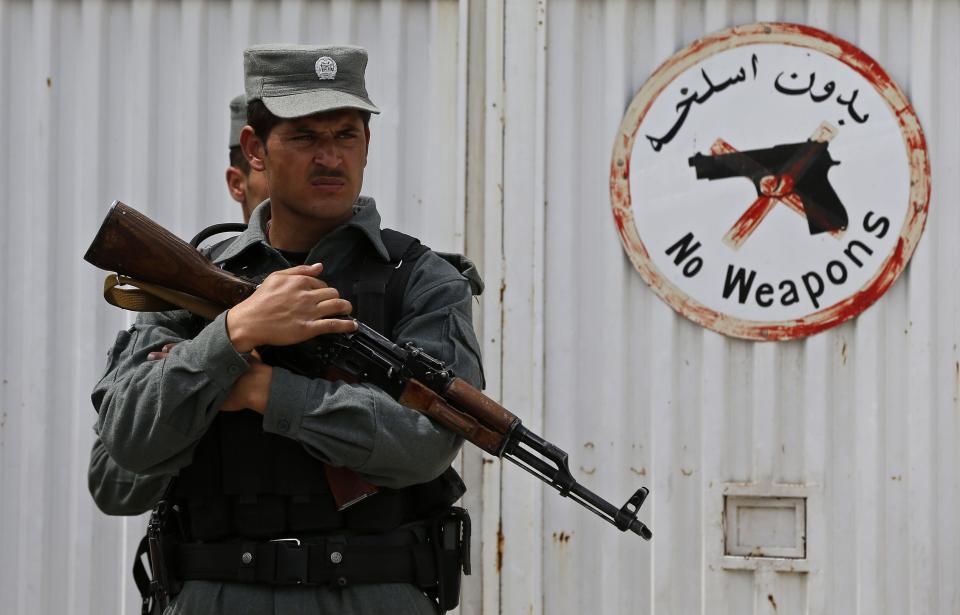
(145, 254)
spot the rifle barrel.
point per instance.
(558, 476)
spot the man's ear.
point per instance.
(253, 148)
(237, 184)
(366, 135)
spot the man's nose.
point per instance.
(327, 153)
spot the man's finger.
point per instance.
(308, 283)
(319, 295)
(308, 270)
(334, 307)
(324, 326)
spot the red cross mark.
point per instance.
(775, 187)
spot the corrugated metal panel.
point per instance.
(128, 100)
(862, 420)
(102, 100)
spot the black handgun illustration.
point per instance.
(779, 173)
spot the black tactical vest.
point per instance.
(246, 482)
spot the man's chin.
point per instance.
(327, 209)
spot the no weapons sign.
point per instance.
(770, 181)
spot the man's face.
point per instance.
(248, 189)
(314, 165)
(256, 192)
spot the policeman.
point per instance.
(239, 448)
(247, 186)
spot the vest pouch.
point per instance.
(261, 516)
(437, 495)
(202, 477)
(209, 518)
(381, 512)
(295, 471)
(316, 513)
(246, 455)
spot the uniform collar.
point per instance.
(366, 219)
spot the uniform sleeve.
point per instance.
(151, 414)
(120, 492)
(361, 427)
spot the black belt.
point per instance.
(325, 562)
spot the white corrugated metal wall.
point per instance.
(861, 420)
(501, 115)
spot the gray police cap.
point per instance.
(238, 118)
(300, 80)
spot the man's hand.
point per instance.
(251, 390)
(291, 306)
(162, 353)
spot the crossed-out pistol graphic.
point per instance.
(794, 174)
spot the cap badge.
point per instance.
(326, 68)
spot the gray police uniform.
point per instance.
(152, 414)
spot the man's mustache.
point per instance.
(325, 172)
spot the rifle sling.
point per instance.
(148, 297)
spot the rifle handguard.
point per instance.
(487, 411)
(417, 396)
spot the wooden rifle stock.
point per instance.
(135, 246)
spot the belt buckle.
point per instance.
(296, 541)
(291, 561)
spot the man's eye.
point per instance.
(303, 138)
(346, 135)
